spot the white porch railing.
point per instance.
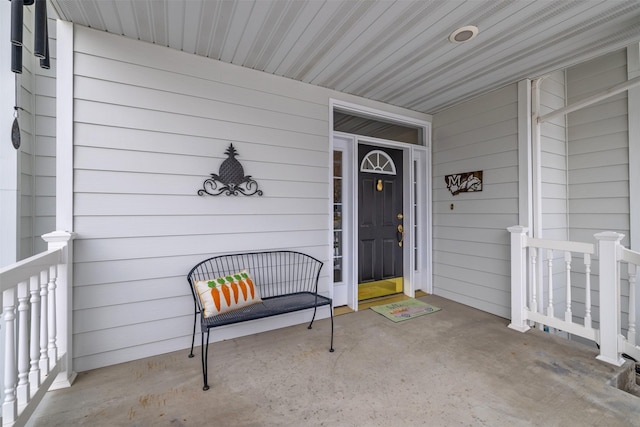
(32, 312)
(533, 290)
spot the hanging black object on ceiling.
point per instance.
(44, 62)
(40, 29)
(41, 37)
(15, 134)
(17, 13)
(16, 58)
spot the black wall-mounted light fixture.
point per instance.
(40, 33)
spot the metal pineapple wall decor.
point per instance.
(230, 179)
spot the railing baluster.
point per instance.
(540, 283)
(10, 403)
(44, 318)
(587, 290)
(633, 275)
(550, 311)
(22, 391)
(568, 317)
(534, 286)
(53, 345)
(34, 354)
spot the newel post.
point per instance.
(608, 244)
(61, 309)
(518, 278)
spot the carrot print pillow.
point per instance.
(224, 294)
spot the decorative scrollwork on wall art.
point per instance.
(230, 180)
(464, 182)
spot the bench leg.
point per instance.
(313, 318)
(205, 356)
(331, 310)
(195, 320)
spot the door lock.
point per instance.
(401, 234)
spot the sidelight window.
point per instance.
(337, 216)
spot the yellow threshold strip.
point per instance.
(380, 288)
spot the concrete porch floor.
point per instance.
(458, 366)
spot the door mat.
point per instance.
(405, 310)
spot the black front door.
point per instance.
(380, 225)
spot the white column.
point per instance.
(525, 179)
(536, 190)
(64, 203)
(633, 283)
(608, 243)
(536, 168)
(633, 99)
(64, 126)
(518, 278)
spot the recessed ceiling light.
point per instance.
(464, 34)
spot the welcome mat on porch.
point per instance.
(405, 310)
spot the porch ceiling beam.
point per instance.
(590, 100)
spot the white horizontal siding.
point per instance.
(471, 244)
(598, 164)
(553, 169)
(598, 149)
(44, 220)
(175, 225)
(150, 125)
(94, 250)
(553, 159)
(27, 152)
(36, 99)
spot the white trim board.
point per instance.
(411, 154)
(633, 99)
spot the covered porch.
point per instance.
(458, 366)
(135, 113)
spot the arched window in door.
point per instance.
(377, 161)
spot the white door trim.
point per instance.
(417, 268)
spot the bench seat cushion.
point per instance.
(268, 307)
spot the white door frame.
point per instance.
(416, 205)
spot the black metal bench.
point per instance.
(286, 281)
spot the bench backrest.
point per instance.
(274, 273)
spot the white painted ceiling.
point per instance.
(391, 51)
